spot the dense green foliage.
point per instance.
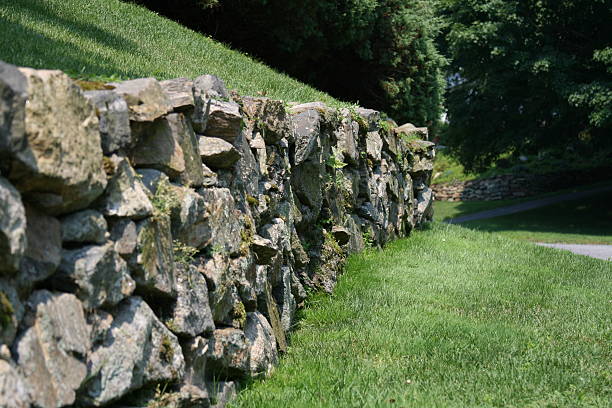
(527, 76)
(452, 318)
(378, 52)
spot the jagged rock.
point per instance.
(299, 108)
(223, 220)
(190, 222)
(137, 350)
(145, 98)
(179, 92)
(11, 311)
(356, 242)
(306, 129)
(191, 315)
(113, 114)
(423, 155)
(152, 263)
(277, 232)
(225, 304)
(44, 246)
(87, 226)
(13, 95)
(51, 352)
(391, 144)
(14, 392)
(347, 137)
(217, 153)
(151, 178)
(193, 176)
(206, 87)
(229, 353)
(374, 146)
(158, 146)
(284, 296)
(263, 344)
(210, 177)
(410, 130)
(424, 208)
(371, 117)
(264, 249)
(12, 227)
(261, 155)
(221, 393)
(99, 274)
(125, 195)
(61, 167)
(224, 120)
(270, 308)
(246, 172)
(195, 351)
(341, 234)
(125, 237)
(270, 116)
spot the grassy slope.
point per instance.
(453, 318)
(109, 39)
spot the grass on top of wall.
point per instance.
(111, 40)
(452, 318)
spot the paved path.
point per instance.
(594, 251)
(529, 205)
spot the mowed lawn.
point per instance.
(452, 318)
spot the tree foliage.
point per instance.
(527, 75)
(378, 52)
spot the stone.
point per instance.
(158, 147)
(151, 178)
(410, 130)
(44, 247)
(229, 354)
(221, 393)
(225, 303)
(195, 351)
(217, 153)
(270, 309)
(224, 120)
(113, 114)
(190, 223)
(145, 98)
(152, 263)
(374, 145)
(191, 315)
(96, 274)
(61, 167)
(306, 130)
(137, 350)
(11, 311)
(12, 227)
(318, 106)
(179, 92)
(14, 392)
(270, 117)
(264, 356)
(125, 195)
(84, 227)
(13, 95)
(210, 177)
(424, 207)
(51, 352)
(341, 234)
(224, 221)
(125, 237)
(371, 117)
(193, 176)
(347, 136)
(264, 249)
(206, 87)
(284, 296)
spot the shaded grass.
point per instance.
(452, 318)
(111, 40)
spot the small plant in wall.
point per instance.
(164, 199)
(183, 254)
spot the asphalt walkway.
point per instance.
(595, 251)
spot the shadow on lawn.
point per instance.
(33, 45)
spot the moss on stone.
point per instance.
(7, 311)
(254, 202)
(166, 350)
(239, 314)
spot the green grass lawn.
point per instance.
(452, 318)
(109, 40)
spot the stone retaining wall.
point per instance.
(156, 238)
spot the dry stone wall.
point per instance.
(157, 238)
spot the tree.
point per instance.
(527, 75)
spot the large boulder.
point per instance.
(84, 227)
(224, 120)
(136, 350)
(217, 153)
(14, 392)
(264, 355)
(145, 97)
(61, 168)
(13, 95)
(113, 114)
(99, 274)
(12, 228)
(51, 352)
(44, 246)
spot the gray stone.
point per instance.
(100, 275)
(145, 98)
(137, 350)
(410, 130)
(229, 353)
(286, 300)
(190, 222)
(264, 356)
(61, 168)
(44, 246)
(224, 120)
(371, 117)
(113, 114)
(195, 351)
(210, 177)
(13, 95)
(225, 303)
(158, 147)
(152, 263)
(264, 249)
(224, 221)
(87, 226)
(424, 207)
(51, 352)
(374, 145)
(193, 176)
(11, 311)
(12, 227)
(179, 92)
(306, 130)
(151, 178)
(14, 392)
(125, 237)
(270, 117)
(217, 153)
(125, 195)
(191, 315)
(347, 136)
(318, 106)
(221, 393)
(206, 87)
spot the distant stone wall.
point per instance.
(156, 238)
(511, 186)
